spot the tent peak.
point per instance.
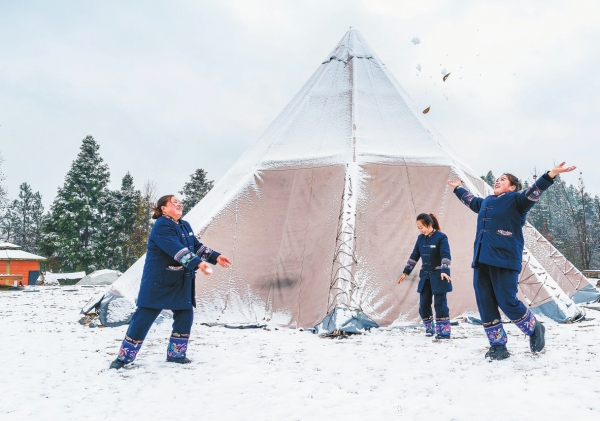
(351, 45)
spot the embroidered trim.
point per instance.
(185, 260)
(410, 265)
(177, 345)
(467, 198)
(442, 327)
(171, 218)
(204, 253)
(129, 350)
(181, 253)
(505, 233)
(533, 193)
(526, 323)
(446, 263)
(496, 334)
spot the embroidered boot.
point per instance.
(429, 326)
(497, 337)
(127, 353)
(177, 348)
(534, 329)
(442, 328)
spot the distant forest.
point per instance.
(90, 227)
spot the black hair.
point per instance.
(159, 204)
(429, 219)
(514, 181)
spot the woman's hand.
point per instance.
(559, 169)
(402, 278)
(446, 277)
(205, 268)
(223, 261)
(454, 183)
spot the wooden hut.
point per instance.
(18, 265)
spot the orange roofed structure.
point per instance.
(18, 265)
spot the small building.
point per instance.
(18, 265)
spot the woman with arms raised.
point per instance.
(168, 282)
(497, 258)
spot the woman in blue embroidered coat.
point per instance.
(434, 278)
(497, 257)
(168, 282)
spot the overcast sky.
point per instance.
(169, 87)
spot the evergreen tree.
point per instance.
(195, 189)
(71, 233)
(24, 216)
(130, 203)
(3, 192)
(489, 178)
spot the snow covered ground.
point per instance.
(55, 368)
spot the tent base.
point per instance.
(344, 320)
(586, 295)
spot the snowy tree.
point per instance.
(195, 189)
(121, 210)
(489, 178)
(3, 192)
(24, 219)
(143, 219)
(72, 232)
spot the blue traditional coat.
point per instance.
(500, 219)
(169, 277)
(434, 250)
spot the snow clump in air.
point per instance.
(415, 40)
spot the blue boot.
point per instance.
(530, 326)
(429, 326)
(442, 328)
(127, 353)
(498, 339)
(177, 348)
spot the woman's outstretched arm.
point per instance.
(468, 198)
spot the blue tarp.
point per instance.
(586, 294)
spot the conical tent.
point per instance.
(320, 211)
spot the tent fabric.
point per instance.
(319, 213)
(100, 277)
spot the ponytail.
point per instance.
(429, 220)
(159, 204)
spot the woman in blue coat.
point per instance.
(497, 257)
(168, 282)
(434, 278)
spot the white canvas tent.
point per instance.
(319, 213)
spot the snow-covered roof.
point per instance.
(7, 245)
(19, 255)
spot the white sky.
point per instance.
(168, 87)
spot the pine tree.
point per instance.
(129, 207)
(5, 221)
(71, 233)
(489, 178)
(25, 215)
(195, 189)
(3, 192)
(143, 220)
